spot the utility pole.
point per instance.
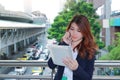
(107, 11)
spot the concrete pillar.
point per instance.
(28, 42)
(7, 50)
(15, 48)
(24, 42)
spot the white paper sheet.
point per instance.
(59, 52)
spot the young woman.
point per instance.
(80, 38)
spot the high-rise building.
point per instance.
(96, 3)
(2, 8)
(28, 6)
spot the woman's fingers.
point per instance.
(67, 38)
(72, 64)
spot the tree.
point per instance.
(72, 8)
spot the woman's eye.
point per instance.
(71, 29)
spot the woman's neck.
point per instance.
(75, 43)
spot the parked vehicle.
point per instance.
(25, 57)
(29, 51)
(40, 48)
(46, 52)
(35, 55)
(37, 70)
(43, 57)
(20, 70)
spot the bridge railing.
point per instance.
(34, 63)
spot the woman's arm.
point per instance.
(51, 64)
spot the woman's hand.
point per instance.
(67, 38)
(72, 64)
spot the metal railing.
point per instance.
(32, 63)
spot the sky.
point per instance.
(115, 5)
(48, 7)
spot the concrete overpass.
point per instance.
(16, 35)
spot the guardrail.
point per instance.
(32, 63)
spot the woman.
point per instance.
(80, 38)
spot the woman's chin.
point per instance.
(74, 40)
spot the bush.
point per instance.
(101, 44)
(113, 55)
(104, 57)
(110, 47)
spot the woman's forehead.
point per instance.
(74, 25)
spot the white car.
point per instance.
(35, 55)
(29, 51)
(46, 52)
(43, 57)
(40, 48)
(20, 70)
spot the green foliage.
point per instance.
(113, 55)
(100, 44)
(71, 8)
(110, 47)
(116, 71)
(117, 41)
(114, 50)
(104, 57)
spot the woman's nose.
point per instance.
(74, 32)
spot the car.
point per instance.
(37, 70)
(35, 55)
(40, 48)
(20, 70)
(25, 57)
(29, 51)
(36, 44)
(46, 52)
(43, 57)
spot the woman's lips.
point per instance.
(73, 37)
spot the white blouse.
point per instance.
(67, 72)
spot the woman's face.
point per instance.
(75, 32)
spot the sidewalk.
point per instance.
(17, 55)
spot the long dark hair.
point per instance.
(88, 46)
